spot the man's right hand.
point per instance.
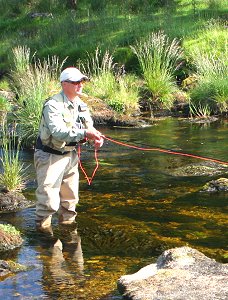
(93, 134)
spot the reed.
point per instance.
(35, 83)
(159, 58)
(118, 90)
(212, 87)
(12, 177)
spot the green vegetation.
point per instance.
(158, 58)
(12, 177)
(33, 83)
(4, 104)
(109, 82)
(9, 229)
(131, 50)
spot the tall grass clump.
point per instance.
(35, 82)
(12, 176)
(100, 68)
(159, 58)
(212, 87)
(110, 83)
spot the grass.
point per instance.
(86, 29)
(34, 81)
(110, 83)
(159, 58)
(106, 25)
(4, 104)
(12, 177)
(211, 68)
(9, 229)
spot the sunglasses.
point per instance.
(75, 82)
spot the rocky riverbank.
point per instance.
(179, 273)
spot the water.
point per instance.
(138, 205)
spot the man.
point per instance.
(65, 122)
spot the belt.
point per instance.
(45, 148)
(53, 151)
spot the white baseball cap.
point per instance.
(72, 74)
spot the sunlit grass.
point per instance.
(159, 58)
(13, 176)
(119, 91)
(34, 84)
(5, 105)
(212, 87)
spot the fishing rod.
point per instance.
(157, 149)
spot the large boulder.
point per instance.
(179, 274)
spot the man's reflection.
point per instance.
(63, 262)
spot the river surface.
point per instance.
(140, 203)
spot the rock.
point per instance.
(219, 185)
(10, 238)
(179, 274)
(12, 201)
(200, 169)
(4, 268)
(9, 268)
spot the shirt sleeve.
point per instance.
(58, 128)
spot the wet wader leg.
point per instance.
(69, 191)
(50, 170)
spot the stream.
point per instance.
(139, 204)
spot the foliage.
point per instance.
(9, 229)
(110, 83)
(210, 39)
(12, 177)
(212, 87)
(4, 104)
(159, 59)
(33, 84)
(200, 110)
(111, 25)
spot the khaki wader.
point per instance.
(58, 180)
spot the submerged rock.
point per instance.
(11, 201)
(201, 169)
(179, 273)
(218, 185)
(9, 268)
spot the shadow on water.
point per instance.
(137, 206)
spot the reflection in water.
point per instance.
(63, 263)
(138, 205)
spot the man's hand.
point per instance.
(96, 136)
(98, 143)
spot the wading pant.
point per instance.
(58, 181)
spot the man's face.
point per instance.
(73, 87)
